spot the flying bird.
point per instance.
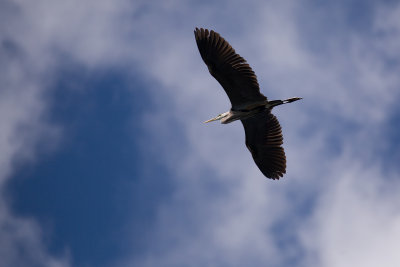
(263, 132)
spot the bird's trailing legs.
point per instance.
(274, 103)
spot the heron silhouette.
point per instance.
(263, 132)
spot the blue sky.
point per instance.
(105, 161)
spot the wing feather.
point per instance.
(228, 68)
(264, 140)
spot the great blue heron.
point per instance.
(262, 129)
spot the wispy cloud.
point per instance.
(21, 242)
(356, 221)
(22, 126)
(33, 36)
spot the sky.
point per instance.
(105, 161)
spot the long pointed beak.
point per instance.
(210, 120)
(217, 118)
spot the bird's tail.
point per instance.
(274, 103)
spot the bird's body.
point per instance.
(263, 132)
(250, 111)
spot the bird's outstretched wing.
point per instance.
(229, 69)
(264, 140)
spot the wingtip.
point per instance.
(201, 30)
(275, 176)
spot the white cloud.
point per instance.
(357, 221)
(22, 126)
(387, 29)
(31, 36)
(21, 241)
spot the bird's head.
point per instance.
(219, 117)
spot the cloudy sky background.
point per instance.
(105, 161)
